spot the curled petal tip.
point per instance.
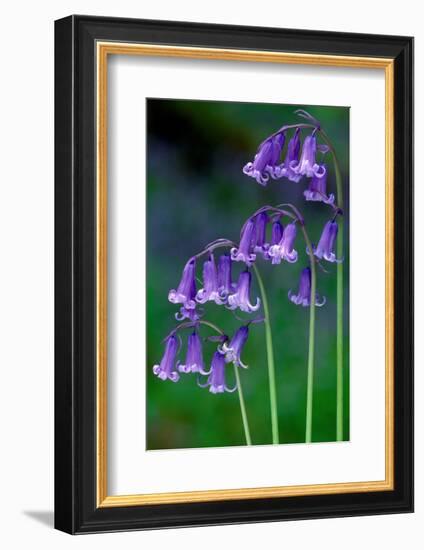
(319, 302)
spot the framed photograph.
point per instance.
(234, 274)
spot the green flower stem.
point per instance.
(339, 412)
(339, 317)
(242, 407)
(311, 346)
(340, 267)
(208, 324)
(270, 356)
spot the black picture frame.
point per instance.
(76, 510)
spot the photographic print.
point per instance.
(223, 293)
(247, 274)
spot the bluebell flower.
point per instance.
(225, 281)
(187, 313)
(291, 160)
(277, 231)
(303, 297)
(166, 368)
(216, 378)
(307, 165)
(194, 358)
(186, 291)
(244, 251)
(266, 159)
(325, 248)
(284, 249)
(261, 223)
(317, 189)
(232, 350)
(241, 297)
(209, 292)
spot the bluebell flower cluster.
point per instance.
(229, 351)
(217, 287)
(300, 159)
(262, 236)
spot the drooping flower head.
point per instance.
(186, 290)
(209, 292)
(232, 350)
(317, 190)
(244, 252)
(194, 358)
(291, 160)
(166, 368)
(225, 281)
(325, 248)
(307, 165)
(266, 159)
(261, 223)
(241, 297)
(216, 379)
(303, 297)
(284, 249)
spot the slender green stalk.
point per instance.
(339, 335)
(311, 347)
(270, 357)
(239, 388)
(242, 406)
(339, 316)
(339, 412)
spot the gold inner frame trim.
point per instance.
(103, 50)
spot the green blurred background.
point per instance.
(196, 192)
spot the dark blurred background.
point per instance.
(197, 192)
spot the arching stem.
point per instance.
(339, 315)
(270, 360)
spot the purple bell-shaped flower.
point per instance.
(261, 223)
(216, 379)
(307, 165)
(303, 297)
(317, 189)
(284, 249)
(232, 350)
(291, 160)
(266, 159)
(241, 297)
(194, 358)
(225, 282)
(244, 251)
(166, 368)
(209, 292)
(325, 247)
(186, 290)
